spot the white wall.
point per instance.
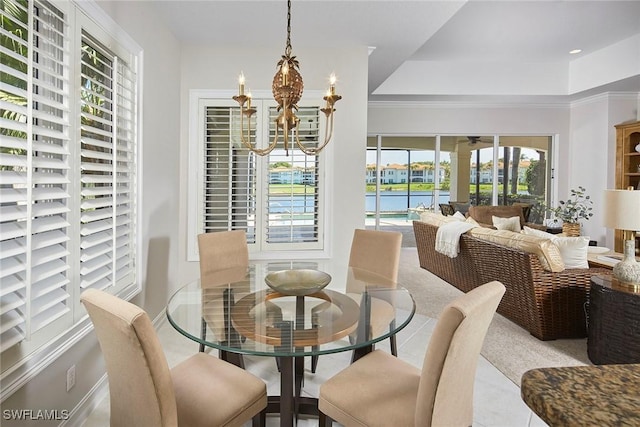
(593, 152)
(160, 149)
(476, 78)
(216, 68)
(160, 189)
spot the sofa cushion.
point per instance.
(433, 218)
(483, 213)
(546, 251)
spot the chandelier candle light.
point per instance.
(622, 211)
(287, 90)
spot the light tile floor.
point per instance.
(497, 401)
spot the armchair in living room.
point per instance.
(484, 214)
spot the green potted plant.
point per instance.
(571, 211)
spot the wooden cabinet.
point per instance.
(627, 167)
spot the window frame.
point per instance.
(195, 177)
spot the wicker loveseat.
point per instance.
(550, 305)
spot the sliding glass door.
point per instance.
(407, 174)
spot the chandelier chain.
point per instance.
(287, 50)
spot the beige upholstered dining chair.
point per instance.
(377, 252)
(200, 391)
(222, 250)
(382, 390)
(222, 255)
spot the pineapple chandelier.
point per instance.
(287, 89)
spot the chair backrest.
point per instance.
(445, 394)
(446, 209)
(220, 251)
(376, 251)
(140, 385)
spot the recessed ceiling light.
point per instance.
(574, 51)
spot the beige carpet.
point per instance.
(510, 348)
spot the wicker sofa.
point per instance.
(549, 304)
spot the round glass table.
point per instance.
(239, 314)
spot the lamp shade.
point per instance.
(622, 209)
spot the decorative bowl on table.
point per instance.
(297, 282)
(597, 249)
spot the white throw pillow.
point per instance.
(511, 224)
(539, 233)
(459, 215)
(573, 250)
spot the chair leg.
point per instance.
(203, 333)
(323, 420)
(392, 339)
(314, 361)
(259, 419)
(394, 346)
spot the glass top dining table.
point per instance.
(239, 314)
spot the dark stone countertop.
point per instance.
(605, 395)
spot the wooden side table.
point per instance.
(614, 322)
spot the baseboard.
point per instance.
(88, 403)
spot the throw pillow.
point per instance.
(472, 221)
(539, 233)
(459, 215)
(573, 250)
(511, 224)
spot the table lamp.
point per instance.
(622, 211)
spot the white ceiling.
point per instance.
(473, 32)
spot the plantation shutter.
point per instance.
(229, 175)
(275, 198)
(107, 214)
(292, 202)
(125, 182)
(34, 169)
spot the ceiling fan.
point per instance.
(472, 140)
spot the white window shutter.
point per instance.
(125, 185)
(229, 175)
(108, 179)
(291, 212)
(34, 169)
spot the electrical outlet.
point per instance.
(71, 377)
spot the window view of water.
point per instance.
(400, 201)
(390, 201)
